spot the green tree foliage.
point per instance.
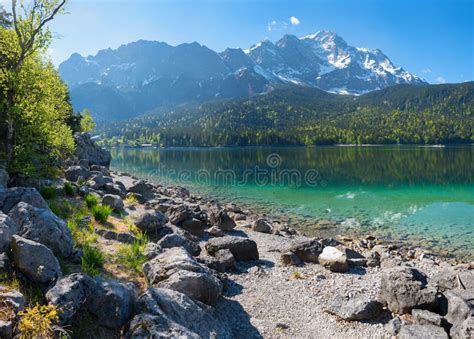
(87, 123)
(34, 101)
(304, 116)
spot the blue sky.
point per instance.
(431, 38)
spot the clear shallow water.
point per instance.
(421, 194)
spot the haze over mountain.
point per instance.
(145, 75)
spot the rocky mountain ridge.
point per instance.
(145, 75)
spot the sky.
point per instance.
(431, 38)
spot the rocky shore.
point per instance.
(211, 270)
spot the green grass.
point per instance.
(69, 189)
(62, 208)
(48, 192)
(91, 201)
(82, 236)
(92, 260)
(101, 213)
(131, 256)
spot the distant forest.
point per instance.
(295, 115)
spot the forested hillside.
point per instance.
(306, 116)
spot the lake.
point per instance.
(424, 195)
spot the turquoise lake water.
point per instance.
(421, 194)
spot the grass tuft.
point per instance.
(48, 192)
(131, 256)
(92, 260)
(69, 189)
(91, 201)
(101, 213)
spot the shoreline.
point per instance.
(265, 290)
(142, 147)
(324, 226)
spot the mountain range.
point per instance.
(149, 76)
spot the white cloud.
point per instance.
(294, 20)
(277, 25)
(426, 70)
(441, 80)
(271, 25)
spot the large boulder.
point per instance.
(241, 248)
(422, 332)
(262, 225)
(176, 240)
(333, 259)
(4, 178)
(7, 229)
(87, 149)
(70, 293)
(43, 226)
(177, 270)
(12, 299)
(357, 308)
(178, 214)
(115, 189)
(221, 219)
(307, 250)
(404, 288)
(35, 260)
(424, 317)
(113, 303)
(98, 181)
(114, 201)
(193, 226)
(460, 305)
(143, 188)
(73, 173)
(463, 330)
(450, 278)
(145, 326)
(148, 220)
(29, 195)
(188, 318)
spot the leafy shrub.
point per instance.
(69, 189)
(101, 213)
(131, 256)
(48, 192)
(91, 201)
(92, 260)
(38, 322)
